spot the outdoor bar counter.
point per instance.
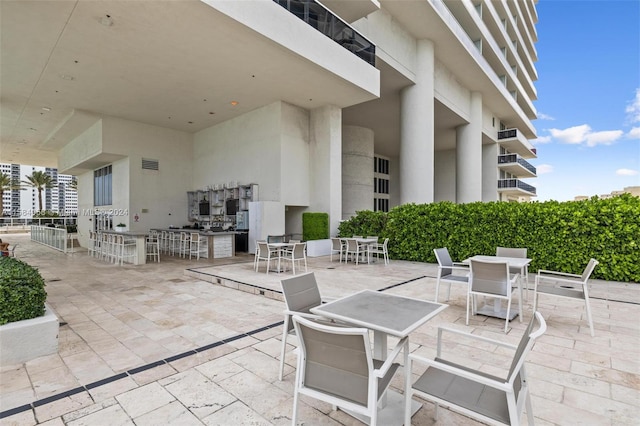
(219, 244)
(140, 257)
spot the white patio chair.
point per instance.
(337, 246)
(520, 253)
(378, 249)
(298, 253)
(355, 250)
(336, 365)
(491, 279)
(446, 269)
(566, 285)
(264, 253)
(474, 393)
(300, 293)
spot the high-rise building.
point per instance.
(62, 198)
(333, 106)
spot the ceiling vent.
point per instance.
(149, 164)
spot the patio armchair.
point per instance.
(337, 246)
(336, 365)
(491, 279)
(301, 293)
(561, 284)
(472, 392)
(263, 252)
(378, 249)
(297, 253)
(447, 269)
(519, 253)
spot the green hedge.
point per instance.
(560, 236)
(22, 293)
(315, 226)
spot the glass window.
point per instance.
(102, 187)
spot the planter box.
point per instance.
(22, 341)
(317, 248)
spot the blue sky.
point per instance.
(588, 97)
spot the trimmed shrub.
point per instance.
(559, 236)
(315, 226)
(22, 293)
(365, 223)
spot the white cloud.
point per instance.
(584, 134)
(633, 109)
(634, 133)
(626, 172)
(543, 116)
(544, 169)
(603, 138)
(572, 135)
(541, 140)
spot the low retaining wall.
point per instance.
(22, 341)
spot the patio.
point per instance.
(160, 344)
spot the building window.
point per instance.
(381, 184)
(102, 187)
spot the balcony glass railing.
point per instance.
(336, 29)
(507, 134)
(515, 183)
(515, 158)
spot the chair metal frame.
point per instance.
(261, 248)
(336, 365)
(446, 268)
(572, 286)
(337, 245)
(474, 393)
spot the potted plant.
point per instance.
(121, 227)
(315, 231)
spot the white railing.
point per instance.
(56, 238)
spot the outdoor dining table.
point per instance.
(280, 248)
(514, 262)
(387, 315)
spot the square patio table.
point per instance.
(514, 262)
(385, 314)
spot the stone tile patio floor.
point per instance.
(197, 342)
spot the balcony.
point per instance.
(332, 26)
(515, 186)
(515, 165)
(513, 141)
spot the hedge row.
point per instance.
(560, 236)
(22, 293)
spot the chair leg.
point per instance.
(529, 408)
(437, 289)
(449, 292)
(589, 318)
(285, 332)
(506, 321)
(468, 300)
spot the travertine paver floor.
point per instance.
(160, 344)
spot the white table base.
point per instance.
(392, 414)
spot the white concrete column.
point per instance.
(326, 163)
(357, 170)
(417, 130)
(490, 172)
(469, 154)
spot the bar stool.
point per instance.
(174, 242)
(184, 244)
(123, 248)
(194, 245)
(164, 242)
(152, 245)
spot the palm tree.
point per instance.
(39, 181)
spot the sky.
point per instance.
(588, 102)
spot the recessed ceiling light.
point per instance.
(211, 112)
(106, 21)
(46, 109)
(234, 103)
(67, 77)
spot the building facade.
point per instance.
(335, 106)
(23, 203)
